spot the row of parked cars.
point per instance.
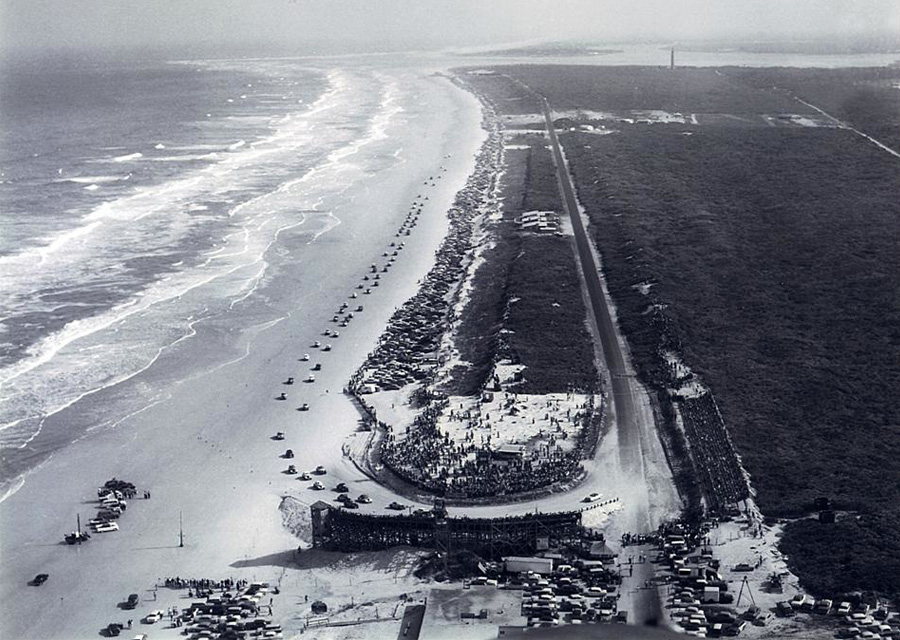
(858, 621)
(231, 615)
(547, 600)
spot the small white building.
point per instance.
(520, 564)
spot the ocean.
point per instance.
(140, 201)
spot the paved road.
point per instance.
(645, 602)
(612, 352)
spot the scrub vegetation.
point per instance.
(526, 304)
(768, 259)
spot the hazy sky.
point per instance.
(302, 25)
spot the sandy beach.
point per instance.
(203, 449)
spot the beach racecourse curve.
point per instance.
(206, 451)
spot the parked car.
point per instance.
(113, 629)
(320, 471)
(40, 579)
(592, 497)
(305, 476)
(318, 486)
(396, 506)
(364, 499)
(289, 453)
(279, 436)
(131, 602)
(153, 617)
(341, 488)
(291, 470)
(784, 609)
(106, 527)
(349, 504)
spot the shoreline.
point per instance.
(204, 450)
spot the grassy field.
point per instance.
(777, 254)
(866, 98)
(768, 258)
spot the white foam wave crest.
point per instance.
(95, 179)
(94, 353)
(190, 157)
(128, 157)
(163, 198)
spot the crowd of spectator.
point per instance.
(407, 350)
(715, 460)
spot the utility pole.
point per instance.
(180, 530)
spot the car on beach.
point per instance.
(395, 506)
(77, 537)
(305, 357)
(113, 629)
(327, 347)
(303, 407)
(106, 527)
(289, 453)
(131, 602)
(592, 497)
(153, 617)
(316, 344)
(349, 504)
(291, 470)
(364, 499)
(310, 378)
(318, 486)
(40, 579)
(320, 471)
(317, 367)
(341, 488)
(305, 476)
(343, 498)
(278, 436)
